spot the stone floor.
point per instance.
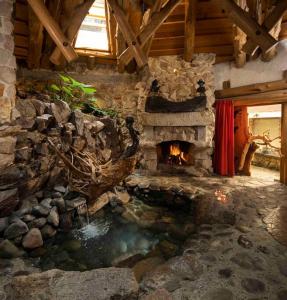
(244, 261)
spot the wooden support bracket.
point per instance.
(242, 19)
(270, 22)
(128, 33)
(150, 29)
(53, 29)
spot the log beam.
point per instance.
(53, 29)
(155, 9)
(151, 28)
(270, 22)
(252, 29)
(189, 31)
(252, 89)
(283, 163)
(128, 33)
(239, 39)
(71, 23)
(35, 40)
(1, 89)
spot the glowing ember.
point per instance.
(220, 196)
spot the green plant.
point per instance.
(78, 95)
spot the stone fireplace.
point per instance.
(179, 139)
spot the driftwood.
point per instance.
(250, 148)
(88, 176)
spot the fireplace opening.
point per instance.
(175, 153)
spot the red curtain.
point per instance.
(223, 161)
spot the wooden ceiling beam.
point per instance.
(71, 22)
(270, 22)
(252, 29)
(189, 31)
(151, 28)
(53, 29)
(128, 33)
(36, 37)
(256, 88)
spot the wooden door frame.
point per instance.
(257, 97)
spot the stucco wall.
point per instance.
(254, 71)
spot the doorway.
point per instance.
(258, 141)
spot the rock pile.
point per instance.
(26, 161)
(37, 219)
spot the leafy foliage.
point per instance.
(78, 95)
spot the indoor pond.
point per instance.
(112, 239)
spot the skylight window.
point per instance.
(93, 33)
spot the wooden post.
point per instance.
(2, 86)
(270, 22)
(71, 25)
(35, 40)
(189, 32)
(252, 29)
(283, 164)
(53, 29)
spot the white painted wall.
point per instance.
(254, 71)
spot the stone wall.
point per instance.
(7, 62)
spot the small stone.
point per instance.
(9, 250)
(243, 229)
(61, 111)
(40, 211)
(8, 201)
(77, 202)
(3, 224)
(160, 294)
(218, 294)
(225, 273)
(60, 203)
(252, 285)
(283, 268)
(244, 242)
(39, 194)
(33, 239)
(282, 295)
(28, 218)
(46, 203)
(37, 223)
(247, 261)
(263, 249)
(16, 229)
(48, 231)
(43, 122)
(53, 217)
(60, 188)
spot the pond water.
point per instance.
(108, 240)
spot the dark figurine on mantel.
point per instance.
(158, 104)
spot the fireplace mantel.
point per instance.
(202, 118)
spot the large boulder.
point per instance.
(33, 239)
(8, 202)
(99, 284)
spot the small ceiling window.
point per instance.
(93, 33)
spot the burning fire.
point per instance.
(176, 155)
